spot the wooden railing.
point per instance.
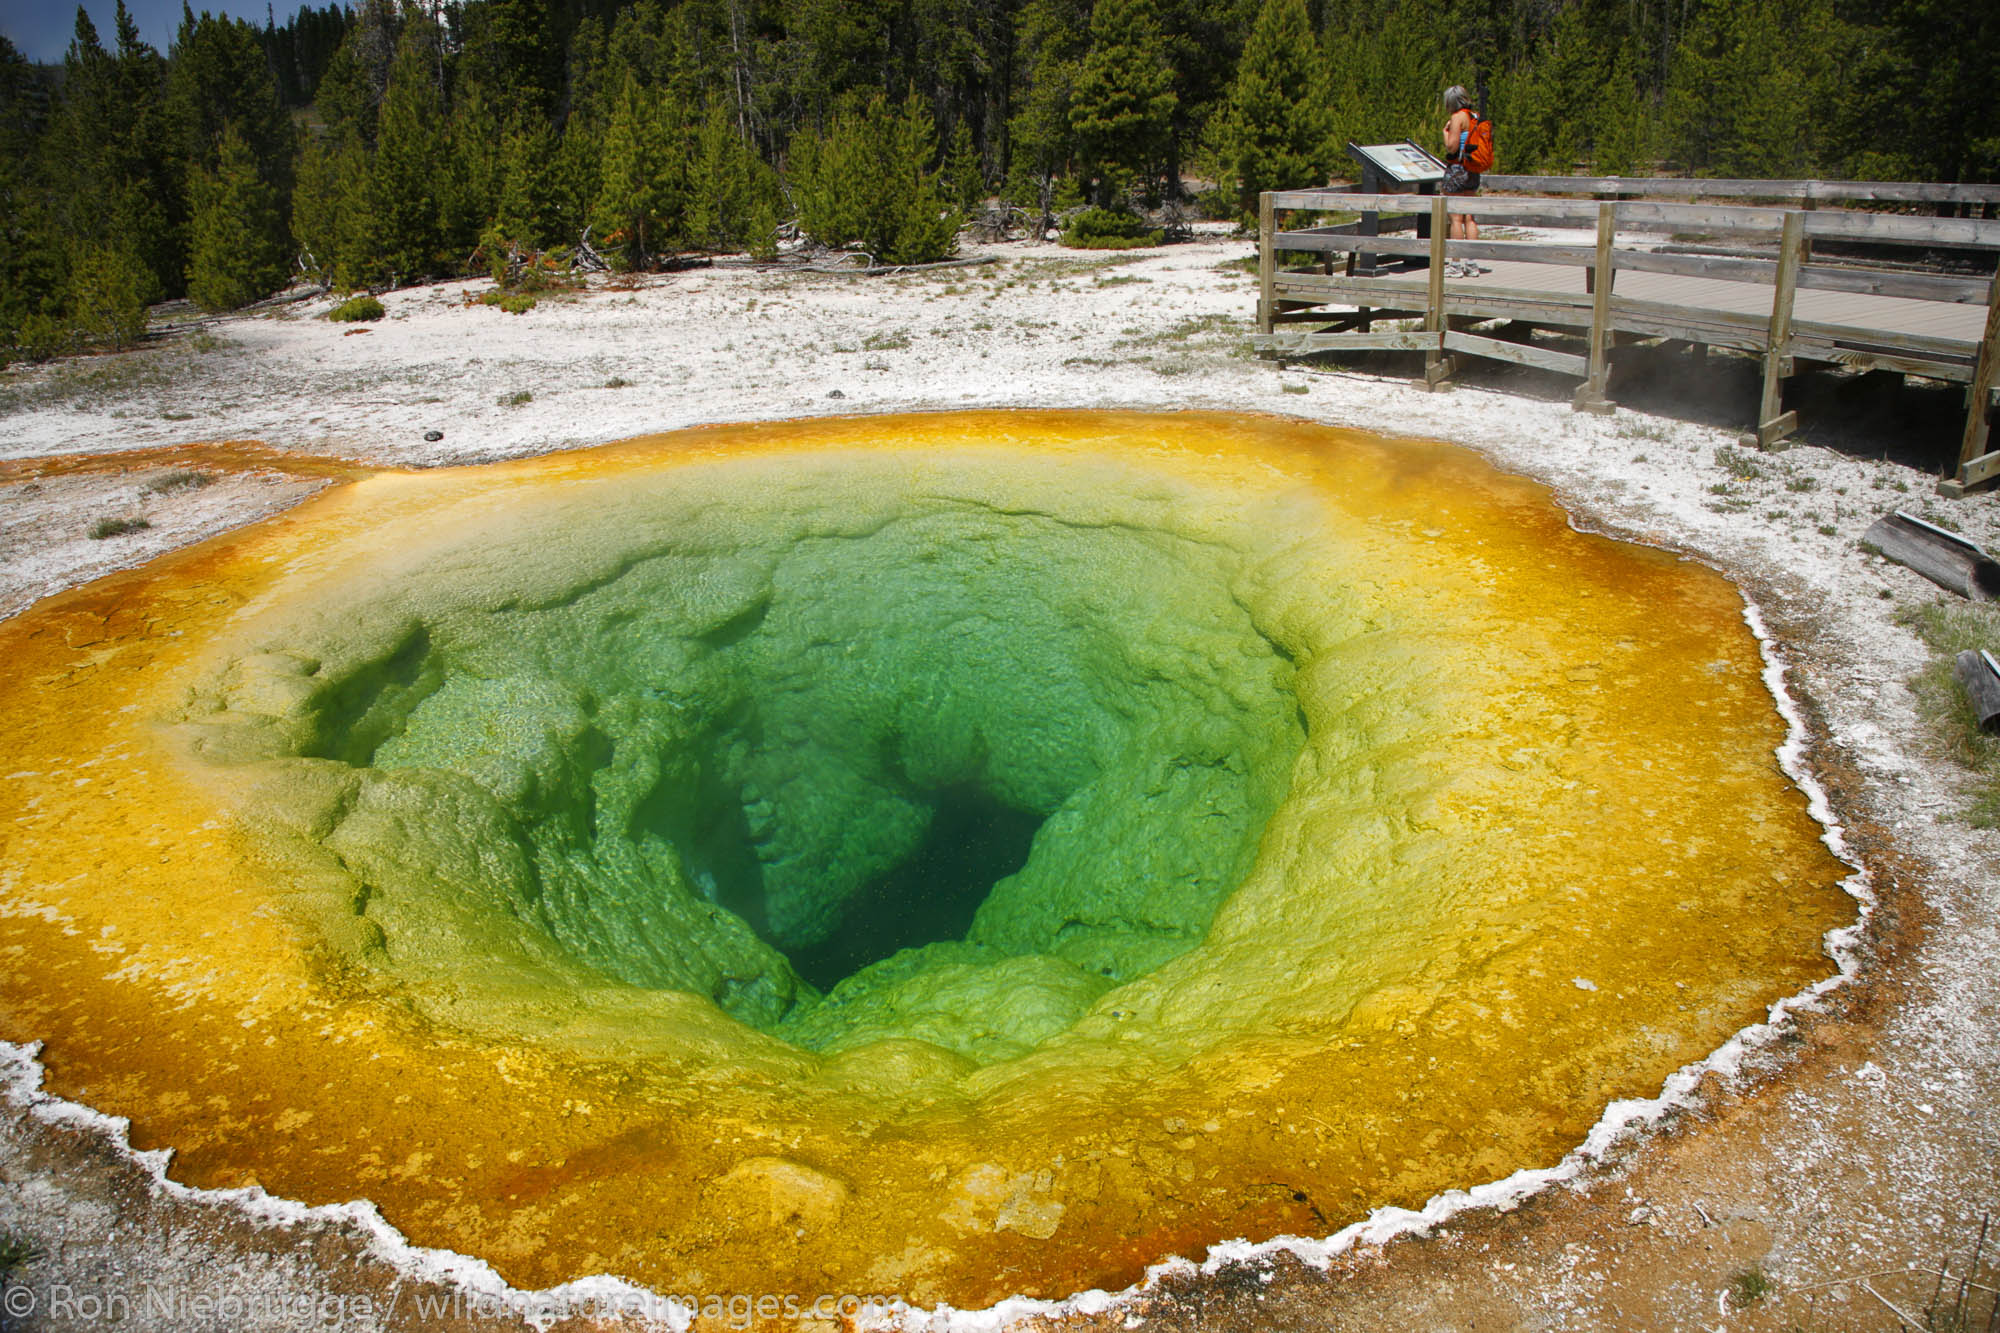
(1289, 298)
(1808, 192)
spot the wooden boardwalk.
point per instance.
(1763, 291)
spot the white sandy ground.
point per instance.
(1864, 1139)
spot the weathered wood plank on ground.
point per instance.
(1945, 558)
(1979, 675)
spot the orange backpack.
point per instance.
(1476, 145)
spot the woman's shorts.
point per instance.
(1457, 180)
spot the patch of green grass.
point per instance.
(1751, 1285)
(181, 479)
(1048, 270)
(17, 1251)
(514, 303)
(356, 308)
(116, 527)
(89, 382)
(517, 399)
(1949, 627)
(1802, 484)
(1642, 430)
(886, 342)
(1737, 463)
(1295, 388)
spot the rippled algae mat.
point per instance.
(944, 856)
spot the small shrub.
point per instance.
(1109, 229)
(617, 382)
(179, 480)
(517, 399)
(116, 527)
(1296, 388)
(355, 309)
(513, 302)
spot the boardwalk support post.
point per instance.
(1267, 262)
(1772, 425)
(1976, 463)
(1591, 395)
(1437, 365)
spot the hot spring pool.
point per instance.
(948, 856)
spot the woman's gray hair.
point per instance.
(1456, 98)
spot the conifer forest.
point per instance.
(384, 143)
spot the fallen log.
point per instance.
(1979, 674)
(1945, 558)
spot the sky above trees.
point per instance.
(41, 29)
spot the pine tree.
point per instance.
(106, 300)
(869, 181)
(33, 271)
(469, 193)
(356, 240)
(1388, 64)
(529, 210)
(1557, 127)
(235, 254)
(1122, 112)
(646, 203)
(1746, 84)
(511, 56)
(219, 75)
(1627, 138)
(740, 191)
(965, 182)
(114, 185)
(1051, 37)
(1205, 43)
(628, 207)
(150, 197)
(1277, 130)
(318, 202)
(1915, 90)
(405, 206)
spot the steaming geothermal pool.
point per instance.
(943, 856)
